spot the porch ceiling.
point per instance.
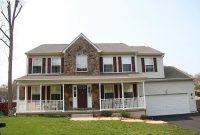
(79, 79)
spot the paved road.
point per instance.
(190, 121)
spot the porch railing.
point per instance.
(35, 105)
(119, 103)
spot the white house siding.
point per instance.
(172, 89)
(159, 74)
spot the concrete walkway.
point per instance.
(118, 118)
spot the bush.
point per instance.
(197, 93)
(144, 117)
(125, 114)
(2, 112)
(106, 113)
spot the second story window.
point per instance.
(108, 64)
(149, 65)
(37, 65)
(81, 63)
(126, 61)
(56, 65)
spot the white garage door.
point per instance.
(167, 104)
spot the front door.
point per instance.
(82, 96)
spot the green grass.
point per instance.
(63, 126)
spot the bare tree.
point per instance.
(12, 11)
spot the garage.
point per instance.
(167, 104)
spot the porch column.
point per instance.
(122, 95)
(40, 97)
(144, 94)
(100, 96)
(25, 98)
(17, 98)
(63, 97)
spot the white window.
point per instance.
(149, 65)
(81, 63)
(108, 91)
(55, 93)
(56, 65)
(126, 64)
(35, 90)
(128, 91)
(37, 65)
(108, 64)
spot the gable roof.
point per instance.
(82, 35)
(146, 50)
(173, 72)
(48, 48)
(114, 47)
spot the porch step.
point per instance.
(82, 116)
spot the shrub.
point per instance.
(125, 114)
(106, 113)
(144, 117)
(2, 112)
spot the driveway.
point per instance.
(190, 121)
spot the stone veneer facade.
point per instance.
(81, 46)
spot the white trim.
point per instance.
(52, 65)
(40, 97)
(17, 98)
(100, 96)
(63, 90)
(136, 64)
(89, 96)
(122, 95)
(81, 35)
(144, 94)
(75, 102)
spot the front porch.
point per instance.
(80, 97)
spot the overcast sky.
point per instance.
(171, 26)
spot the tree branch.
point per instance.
(5, 42)
(4, 15)
(4, 33)
(18, 11)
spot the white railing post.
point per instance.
(122, 95)
(63, 97)
(144, 94)
(25, 98)
(100, 96)
(17, 98)
(40, 97)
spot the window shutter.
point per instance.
(101, 64)
(115, 64)
(43, 65)
(49, 65)
(135, 90)
(116, 90)
(43, 92)
(155, 65)
(61, 90)
(48, 92)
(62, 65)
(143, 64)
(29, 92)
(102, 91)
(30, 65)
(133, 63)
(120, 64)
(120, 91)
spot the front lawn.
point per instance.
(63, 126)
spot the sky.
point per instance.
(171, 26)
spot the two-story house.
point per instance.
(90, 77)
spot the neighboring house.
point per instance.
(90, 77)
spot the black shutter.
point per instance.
(143, 64)
(102, 91)
(101, 64)
(155, 65)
